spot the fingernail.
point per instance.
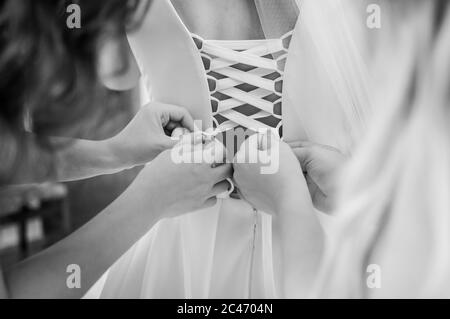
(262, 142)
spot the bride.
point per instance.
(287, 66)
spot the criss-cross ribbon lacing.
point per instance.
(245, 80)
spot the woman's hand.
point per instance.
(175, 186)
(144, 138)
(297, 234)
(148, 133)
(320, 164)
(162, 189)
(269, 192)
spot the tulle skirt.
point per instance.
(219, 252)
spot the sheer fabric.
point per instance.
(326, 79)
(277, 17)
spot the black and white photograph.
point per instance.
(246, 150)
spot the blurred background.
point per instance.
(33, 217)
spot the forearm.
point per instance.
(298, 238)
(75, 159)
(85, 159)
(94, 248)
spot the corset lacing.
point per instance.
(245, 79)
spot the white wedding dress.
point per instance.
(226, 251)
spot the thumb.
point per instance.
(267, 140)
(168, 142)
(173, 113)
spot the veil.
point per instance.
(277, 17)
(326, 31)
(393, 214)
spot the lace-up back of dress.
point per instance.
(245, 79)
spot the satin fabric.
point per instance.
(219, 252)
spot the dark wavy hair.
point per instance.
(48, 71)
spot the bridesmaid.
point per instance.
(50, 87)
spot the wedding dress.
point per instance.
(304, 81)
